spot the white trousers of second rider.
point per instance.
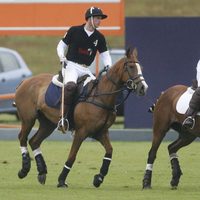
(198, 73)
(73, 71)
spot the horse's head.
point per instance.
(132, 75)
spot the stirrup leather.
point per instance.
(63, 125)
(189, 122)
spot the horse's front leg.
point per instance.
(105, 141)
(157, 138)
(149, 168)
(77, 141)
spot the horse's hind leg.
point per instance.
(23, 137)
(105, 141)
(46, 127)
(172, 149)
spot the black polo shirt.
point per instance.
(82, 48)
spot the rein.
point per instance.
(111, 93)
(131, 85)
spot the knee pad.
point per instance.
(70, 87)
(195, 101)
(70, 92)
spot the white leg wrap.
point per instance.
(173, 155)
(24, 150)
(105, 158)
(36, 152)
(149, 167)
(67, 167)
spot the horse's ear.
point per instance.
(131, 52)
(128, 52)
(135, 52)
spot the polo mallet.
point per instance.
(61, 123)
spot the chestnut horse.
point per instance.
(92, 117)
(165, 116)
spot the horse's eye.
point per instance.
(131, 65)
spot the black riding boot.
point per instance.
(70, 91)
(194, 107)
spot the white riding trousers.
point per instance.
(73, 71)
(198, 73)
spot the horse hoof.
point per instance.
(146, 187)
(22, 174)
(42, 178)
(174, 183)
(98, 180)
(174, 187)
(62, 184)
(147, 184)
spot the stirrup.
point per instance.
(189, 122)
(63, 125)
(151, 108)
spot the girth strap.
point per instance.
(101, 105)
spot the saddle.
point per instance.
(184, 100)
(182, 104)
(53, 94)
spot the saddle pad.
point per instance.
(184, 100)
(54, 90)
(53, 96)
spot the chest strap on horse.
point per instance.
(109, 108)
(124, 99)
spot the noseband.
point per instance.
(132, 82)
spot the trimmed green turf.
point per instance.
(123, 182)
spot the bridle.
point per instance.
(132, 82)
(130, 85)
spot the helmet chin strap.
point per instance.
(92, 21)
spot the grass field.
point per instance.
(124, 181)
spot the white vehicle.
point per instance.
(116, 54)
(13, 70)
